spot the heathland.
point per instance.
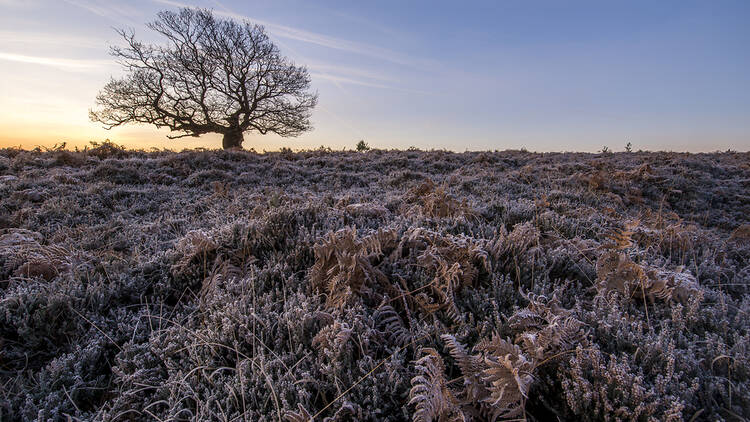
(379, 285)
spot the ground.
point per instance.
(378, 285)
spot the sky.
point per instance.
(458, 75)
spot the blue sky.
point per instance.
(547, 76)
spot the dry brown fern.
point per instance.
(430, 393)
(302, 415)
(498, 376)
(471, 367)
(196, 245)
(677, 286)
(220, 189)
(333, 338)
(617, 272)
(508, 376)
(221, 272)
(542, 202)
(741, 233)
(23, 255)
(431, 200)
(343, 263)
(506, 245)
(621, 239)
(391, 325)
(596, 180)
(453, 261)
(545, 329)
(496, 380)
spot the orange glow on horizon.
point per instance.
(48, 138)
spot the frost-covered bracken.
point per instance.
(386, 285)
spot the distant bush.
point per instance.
(362, 146)
(106, 149)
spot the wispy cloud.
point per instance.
(347, 80)
(107, 9)
(49, 39)
(346, 70)
(15, 3)
(81, 65)
(340, 75)
(385, 30)
(339, 79)
(322, 40)
(345, 75)
(333, 73)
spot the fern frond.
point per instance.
(332, 338)
(455, 262)
(617, 272)
(430, 394)
(471, 367)
(544, 328)
(343, 263)
(508, 376)
(391, 325)
(435, 201)
(302, 415)
(195, 245)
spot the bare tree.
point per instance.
(213, 76)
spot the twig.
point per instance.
(100, 330)
(71, 399)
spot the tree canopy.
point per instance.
(212, 76)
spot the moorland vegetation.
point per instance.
(377, 285)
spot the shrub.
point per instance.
(362, 146)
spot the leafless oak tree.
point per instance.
(213, 76)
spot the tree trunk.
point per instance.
(232, 138)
